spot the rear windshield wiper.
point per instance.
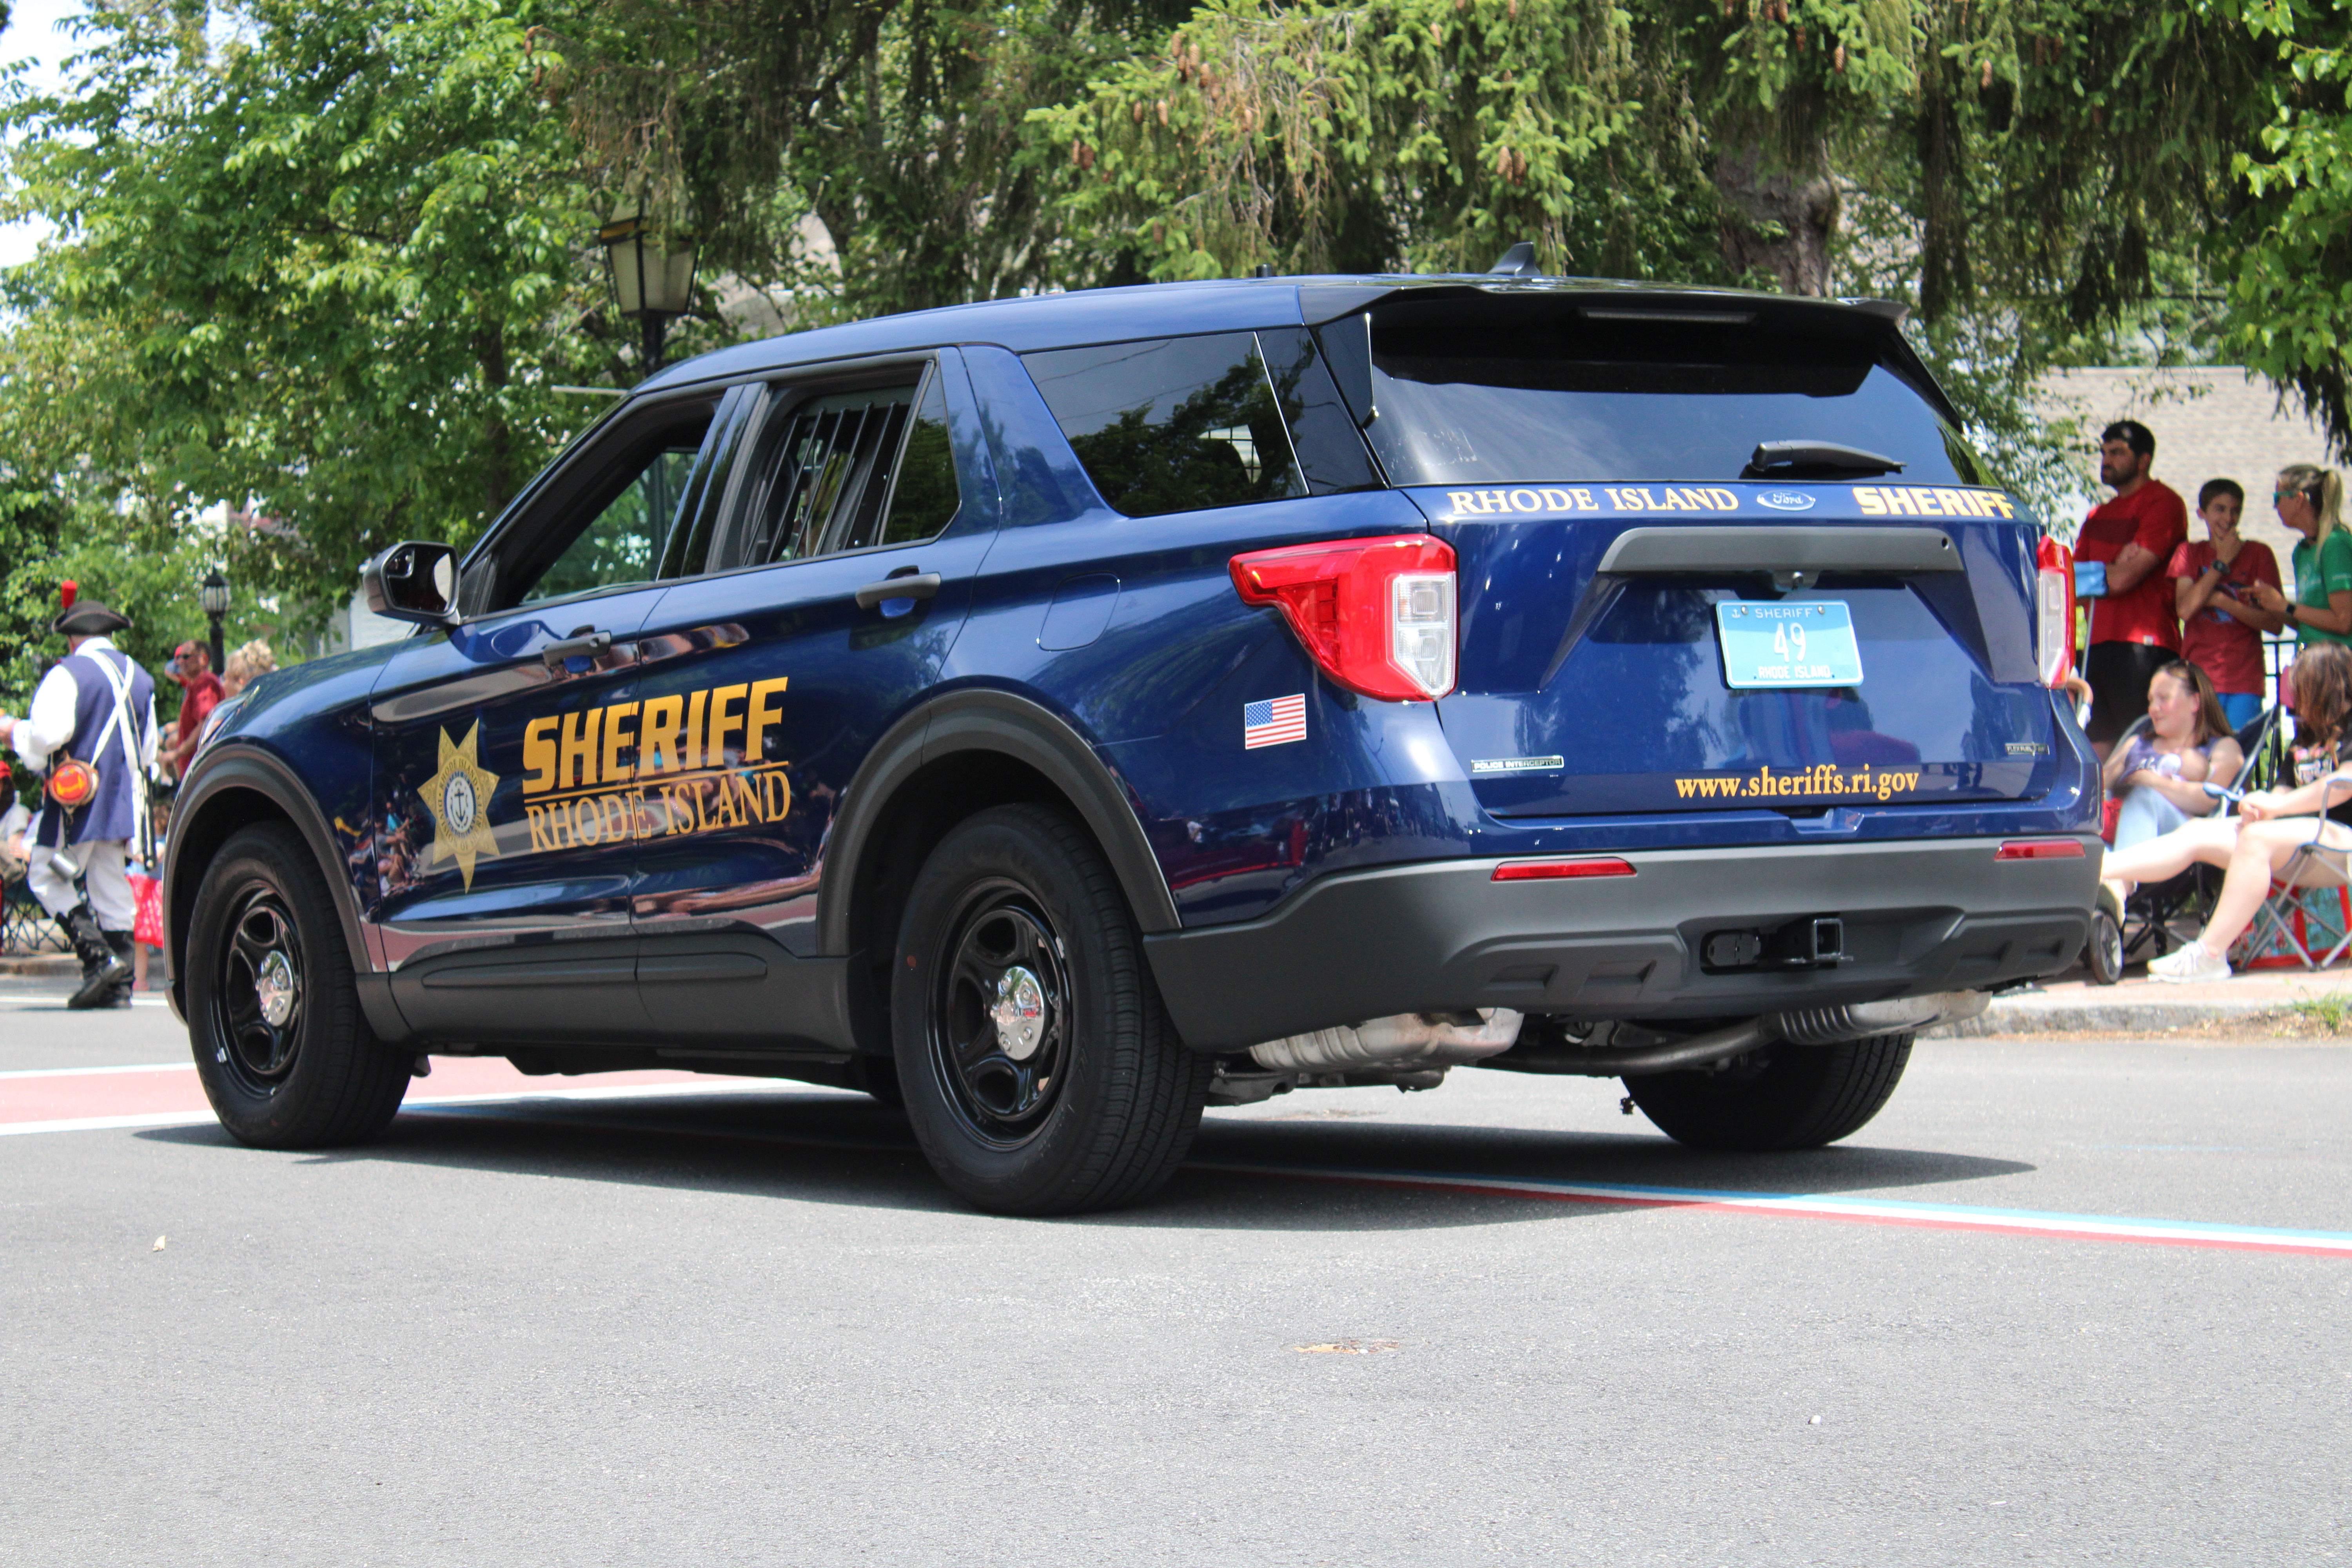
(1814, 460)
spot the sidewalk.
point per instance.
(2071, 1004)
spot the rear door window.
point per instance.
(1493, 390)
(1172, 424)
(850, 469)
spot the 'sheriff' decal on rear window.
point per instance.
(1921, 500)
(1870, 501)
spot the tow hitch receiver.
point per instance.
(1813, 943)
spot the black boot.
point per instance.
(120, 940)
(103, 971)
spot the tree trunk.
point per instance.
(498, 438)
(1776, 221)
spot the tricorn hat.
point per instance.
(88, 618)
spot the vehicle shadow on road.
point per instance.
(835, 1149)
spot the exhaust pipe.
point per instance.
(1803, 1027)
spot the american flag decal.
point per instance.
(1274, 721)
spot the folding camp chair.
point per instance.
(25, 927)
(2285, 924)
(2154, 906)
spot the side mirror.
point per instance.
(415, 581)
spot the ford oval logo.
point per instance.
(1786, 501)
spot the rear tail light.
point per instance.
(2041, 850)
(1554, 870)
(1377, 614)
(2055, 602)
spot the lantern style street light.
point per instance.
(212, 595)
(652, 275)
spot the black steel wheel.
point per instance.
(1782, 1097)
(999, 1019)
(1040, 1072)
(286, 1056)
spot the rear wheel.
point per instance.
(1039, 1068)
(285, 1054)
(1784, 1096)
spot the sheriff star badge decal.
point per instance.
(459, 798)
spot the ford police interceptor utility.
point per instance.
(1062, 713)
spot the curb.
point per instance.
(42, 966)
(2025, 1016)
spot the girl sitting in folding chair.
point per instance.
(2294, 835)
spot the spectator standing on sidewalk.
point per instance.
(246, 664)
(2135, 630)
(90, 732)
(2310, 501)
(192, 667)
(2213, 581)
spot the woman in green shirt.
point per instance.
(2310, 501)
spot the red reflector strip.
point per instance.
(2039, 850)
(1551, 870)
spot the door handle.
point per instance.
(905, 584)
(580, 642)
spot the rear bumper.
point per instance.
(1920, 915)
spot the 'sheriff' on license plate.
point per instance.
(1786, 645)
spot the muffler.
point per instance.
(1403, 1041)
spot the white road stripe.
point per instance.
(524, 1096)
(80, 1072)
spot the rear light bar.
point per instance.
(2054, 605)
(1553, 870)
(2039, 850)
(1376, 615)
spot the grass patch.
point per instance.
(2331, 1012)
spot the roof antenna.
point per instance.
(1519, 261)
(1263, 269)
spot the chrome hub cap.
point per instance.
(1019, 1012)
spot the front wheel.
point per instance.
(1040, 1071)
(1782, 1097)
(286, 1056)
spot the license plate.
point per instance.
(1772, 646)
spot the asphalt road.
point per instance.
(1497, 1323)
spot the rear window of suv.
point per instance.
(1490, 390)
(1172, 424)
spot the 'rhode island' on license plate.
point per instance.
(1787, 644)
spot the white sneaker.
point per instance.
(2192, 962)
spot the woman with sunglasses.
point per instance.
(2310, 501)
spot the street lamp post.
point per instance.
(212, 595)
(652, 275)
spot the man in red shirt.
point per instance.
(192, 667)
(2135, 630)
(2221, 628)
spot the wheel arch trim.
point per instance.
(223, 774)
(980, 721)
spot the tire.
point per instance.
(286, 1056)
(1785, 1097)
(2104, 952)
(1083, 1097)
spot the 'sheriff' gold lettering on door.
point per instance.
(695, 762)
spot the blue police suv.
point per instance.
(1058, 715)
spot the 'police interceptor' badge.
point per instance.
(458, 796)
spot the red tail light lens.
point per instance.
(1554, 870)
(1376, 614)
(2039, 850)
(2055, 605)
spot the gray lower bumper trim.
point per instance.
(1919, 916)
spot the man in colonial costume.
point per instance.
(92, 734)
